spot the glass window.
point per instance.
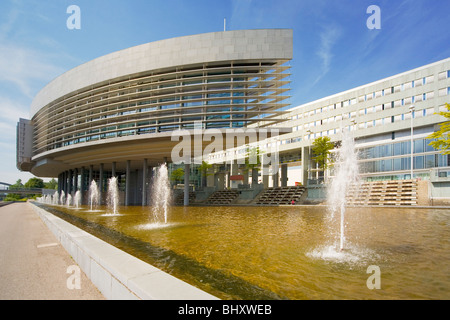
(397, 149)
(429, 148)
(418, 146)
(419, 162)
(430, 161)
(424, 97)
(386, 165)
(397, 164)
(406, 163)
(443, 160)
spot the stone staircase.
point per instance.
(222, 197)
(384, 193)
(280, 195)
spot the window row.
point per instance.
(400, 164)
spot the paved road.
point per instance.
(33, 264)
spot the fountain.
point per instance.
(62, 198)
(161, 194)
(77, 199)
(94, 195)
(55, 198)
(346, 176)
(113, 195)
(69, 200)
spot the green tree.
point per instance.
(321, 149)
(34, 183)
(17, 185)
(203, 169)
(52, 184)
(442, 136)
(177, 175)
(253, 163)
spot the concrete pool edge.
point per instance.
(117, 274)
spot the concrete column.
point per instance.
(275, 179)
(69, 182)
(254, 176)
(113, 170)
(127, 183)
(144, 183)
(65, 181)
(187, 168)
(91, 173)
(59, 183)
(305, 164)
(284, 173)
(75, 178)
(82, 186)
(100, 184)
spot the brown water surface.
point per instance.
(287, 252)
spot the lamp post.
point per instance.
(412, 109)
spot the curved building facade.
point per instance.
(116, 113)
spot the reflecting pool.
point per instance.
(287, 252)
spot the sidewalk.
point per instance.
(33, 264)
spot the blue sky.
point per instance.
(333, 48)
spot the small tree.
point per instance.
(52, 184)
(34, 183)
(203, 169)
(177, 175)
(253, 163)
(442, 136)
(321, 150)
(17, 185)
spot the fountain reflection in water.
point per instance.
(113, 196)
(94, 195)
(161, 194)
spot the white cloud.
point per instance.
(21, 67)
(328, 38)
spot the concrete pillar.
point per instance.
(127, 183)
(100, 184)
(275, 179)
(254, 176)
(144, 183)
(82, 185)
(284, 174)
(75, 178)
(91, 174)
(187, 168)
(69, 182)
(113, 170)
(305, 164)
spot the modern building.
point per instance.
(114, 116)
(387, 118)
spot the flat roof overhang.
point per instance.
(156, 148)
